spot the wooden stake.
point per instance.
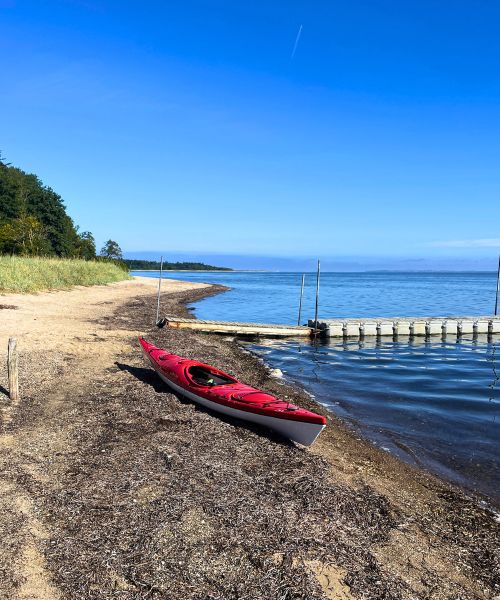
(159, 292)
(12, 370)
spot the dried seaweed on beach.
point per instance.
(183, 505)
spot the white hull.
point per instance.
(298, 431)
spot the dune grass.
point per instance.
(34, 274)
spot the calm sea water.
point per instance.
(274, 297)
(434, 403)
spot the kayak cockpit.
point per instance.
(205, 376)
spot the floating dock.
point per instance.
(241, 329)
(349, 328)
(406, 326)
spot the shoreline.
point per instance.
(355, 428)
(352, 428)
(358, 430)
(104, 452)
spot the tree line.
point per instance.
(154, 265)
(34, 222)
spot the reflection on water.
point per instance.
(433, 402)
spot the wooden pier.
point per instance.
(240, 329)
(349, 328)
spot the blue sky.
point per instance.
(188, 127)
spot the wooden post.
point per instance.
(12, 370)
(159, 291)
(301, 295)
(498, 285)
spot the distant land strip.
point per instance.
(153, 265)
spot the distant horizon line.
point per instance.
(311, 256)
(248, 262)
(326, 258)
(229, 270)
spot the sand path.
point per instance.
(67, 318)
(51, 328)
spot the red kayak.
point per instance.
(221, 392)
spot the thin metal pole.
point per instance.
(498, 285)
(317, 298)
(159, 290)
(301, 296)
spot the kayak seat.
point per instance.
(205, 377)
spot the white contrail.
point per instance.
(296, 42)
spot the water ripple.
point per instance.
(432, 403)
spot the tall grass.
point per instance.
(33, 274)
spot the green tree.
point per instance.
(86, 245)
(33, 220)
(10, 204)
(23, 194)
(112, 250)
(24, 235)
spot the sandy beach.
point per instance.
(113, 487)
